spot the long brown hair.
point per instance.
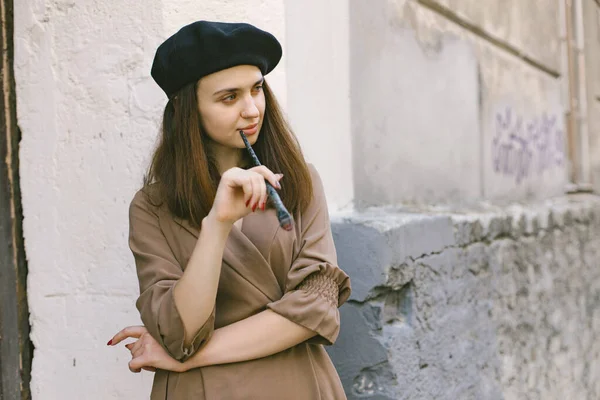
(185, 173)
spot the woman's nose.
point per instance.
(250, 111)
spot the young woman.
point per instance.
(233, 306)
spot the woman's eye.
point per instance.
(231, 97)
(258, 88)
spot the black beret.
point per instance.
(204, 47)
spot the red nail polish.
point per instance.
(254, 207)
(109, 342)
(263, 207)
(248, 202)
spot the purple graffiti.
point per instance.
(521, 148)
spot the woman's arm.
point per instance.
(177, 304)
(260, 335)
(241, 341)
(195, 292)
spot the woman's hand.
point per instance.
(241, 191)
(146, 353)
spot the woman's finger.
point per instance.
(151, 369)
(267, 174)
(136, 364)
(247, 188)
(136, 345)
(132, 344)
(263, 193)
(128, 332)
(139, 351)
(255, 193)
(134, 370)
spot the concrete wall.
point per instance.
(591, 15)
(429, 100)
(318, 79)
(488, 303)
(88, 119)
(451, 103)
(530, 27)
(414, 112)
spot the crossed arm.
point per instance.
(241, 341)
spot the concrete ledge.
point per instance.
(370, 244)
(485, 302)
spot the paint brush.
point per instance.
(285, 218)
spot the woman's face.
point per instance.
(231, 100)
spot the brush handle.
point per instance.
(283, 216)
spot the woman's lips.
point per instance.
(250, 130)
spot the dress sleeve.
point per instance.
(158, 271)
(315, 285)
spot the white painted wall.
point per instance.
(318, 72)
(89, 113)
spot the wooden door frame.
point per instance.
(16, 350)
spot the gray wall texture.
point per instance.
(488, 303)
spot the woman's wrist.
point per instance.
(184, 366)
(211, 222)
(195, 361)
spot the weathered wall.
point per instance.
(414, 112)
(529, 26)
(455, 101)
(88, 118)
(318, 78)
(591, 16)
(485, 303)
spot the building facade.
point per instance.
(459, 145)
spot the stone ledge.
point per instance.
(464, 303)
(477, 222)
(369, 244)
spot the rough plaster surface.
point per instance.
(591, 15)
(531, 166)
(535, 36)
(427, 98)
(89, 114)
(594, 126)
(318, 77)
(414, 114)
(492, 303)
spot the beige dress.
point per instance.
(294, 273)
